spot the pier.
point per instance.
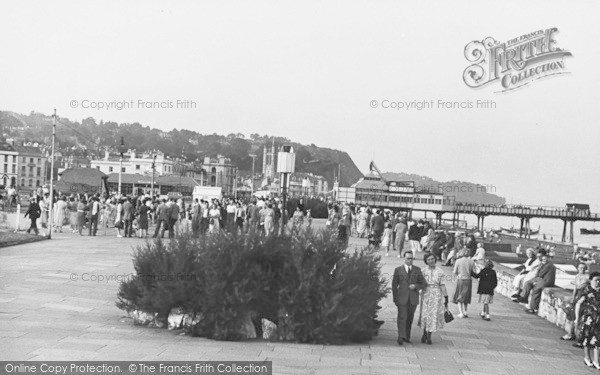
(375, 190)
(524, 213)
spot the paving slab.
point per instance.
(45, 313)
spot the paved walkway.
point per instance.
(52, 307)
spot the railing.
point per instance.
(526, 210)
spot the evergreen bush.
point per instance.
(307, 284)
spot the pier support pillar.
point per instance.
(571, 239)
(521, 228)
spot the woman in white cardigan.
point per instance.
(479, 258)
(528, 273)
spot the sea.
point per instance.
(552, 228)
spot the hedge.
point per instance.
(309, 285)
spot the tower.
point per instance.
(273, 165)
(269, 161)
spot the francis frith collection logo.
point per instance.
(514, 63)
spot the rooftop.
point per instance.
(28, 150)
(89, 176)
(7, 147)
(132, 178)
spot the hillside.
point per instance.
(90, 139)
(463, 191)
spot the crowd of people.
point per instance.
(132, 216)
(389, 230)
(411, 286)
(467, 257)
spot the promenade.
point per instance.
(54, 307)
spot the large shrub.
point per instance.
(307, 284)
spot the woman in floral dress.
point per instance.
(361, 222)
(435, 298)
(588, 308)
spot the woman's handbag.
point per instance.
(448, 317)
(119, 224)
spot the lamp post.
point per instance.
(286, 164)
(182, 173)
(253, 156)
(121, 151)
(152, 185)
(51, 203)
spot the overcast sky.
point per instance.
(308, 71)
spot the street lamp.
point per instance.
(152, 185)
(51, 203)
(253, 156)
(286, 164)
(121, 151)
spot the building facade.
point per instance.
(136, 184)
(372, 190)
(8, 165)
(31, 167)
(22, 167)
(307, 184)
(218, 172)
(135, 163)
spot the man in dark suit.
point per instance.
(546, 278)
(93, 212)
(252, 216)
(407, 282)
(174, 212)
(377, 224)
(163, 217)
(395, 221)
(127, 217)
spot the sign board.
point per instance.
(286, 160)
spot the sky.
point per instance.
(310, 71)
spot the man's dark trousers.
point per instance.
(406, 314)
(93, 224)
(158, 229)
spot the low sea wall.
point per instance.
(553, 303)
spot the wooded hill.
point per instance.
(89, 139)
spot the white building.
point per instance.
(8, 165)
(135, 163)
(21, 166)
